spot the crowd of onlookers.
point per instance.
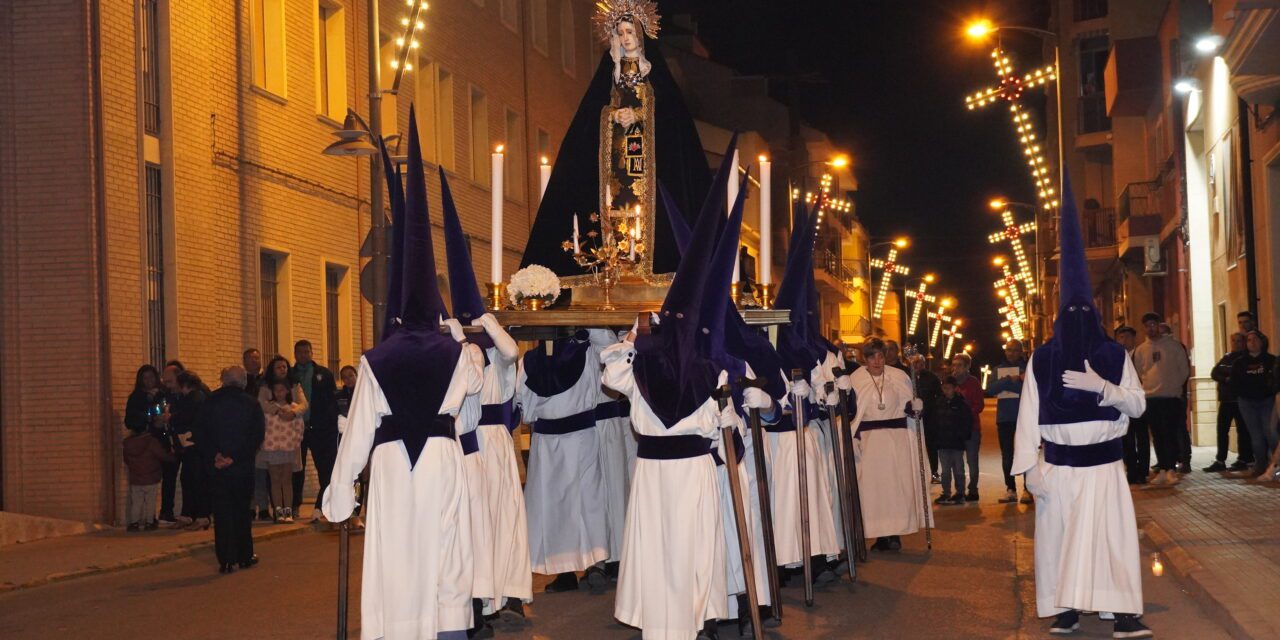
(238, 453)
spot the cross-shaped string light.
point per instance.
(1011, 89)
(952, 333)
(825, 201)
(921, 299)
(411, 23)
(890, 267)
(986, 374)
(1009, 285)
(1012, 233)
(939, 317)
(1012, 321)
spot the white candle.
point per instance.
(544, 176)
(495, 232)
(733, 197)
(576, 249)
(766, 220)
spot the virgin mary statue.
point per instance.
(632, 130)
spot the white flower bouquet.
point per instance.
(534, 286)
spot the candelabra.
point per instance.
(619, 247)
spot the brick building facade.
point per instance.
(164, 194)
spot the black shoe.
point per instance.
(1240, 465)
(151, 526)
(226, 567)
(768, 619)
(972, 496)
(1066, 623)
(512, 612)
(746, 628)
(943, 499)
(1217, 466)
(881, 544)
(895, 543)
(563, 582)
(841, 567)
(481, 628)
(611, 570)
(709, 631)
(957, 501)
(264, 514)
(596, 578)
(935, 479)
(133, 526)
(1129, 626)
(822, 573)
(253, 560)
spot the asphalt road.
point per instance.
(977, 582)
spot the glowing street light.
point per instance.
(979, 29)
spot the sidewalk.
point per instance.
(1222, 536)
(45, 561)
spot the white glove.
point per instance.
(342, 424)
(754, 398)
(1034, 481)
(917, 405)
(801, 388)
(844, 383)
(1086, 380)
(455, 329)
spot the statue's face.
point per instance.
(628, 38)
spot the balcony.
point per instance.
(833, 277)
(1132, 76)
(1252, 52)
(1099, 227)
(1093, 127)
(1139, 214)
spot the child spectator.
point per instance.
(953, 422)
(282, 448)
(143, 456)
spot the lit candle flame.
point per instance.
(1157, 567)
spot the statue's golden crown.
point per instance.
(609, 13)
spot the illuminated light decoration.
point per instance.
(1013, 233)
(940, 317)
(986, 374)
(921, 298)
(1010, 282)
(406, 42)
(1011, 89)
(952, 333)
(827, 203)
(890, 267)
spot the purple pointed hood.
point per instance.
(464, 293)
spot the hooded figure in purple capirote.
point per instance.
(407, 407)
(1078, 395)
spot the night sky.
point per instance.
(887, 80)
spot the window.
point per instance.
(427, 110)
(479, 137)
(268, 45)
(544, 145)
(539, 27)
(336, 327)
(568, 49)
(331, 61)
(269, 301)
(151, 66)
(509, 13)
(1092, 53)
(513, 173)
(1089, 9)
(445, 136)
(156, 344)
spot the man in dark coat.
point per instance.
(232, 428)
(321, 434)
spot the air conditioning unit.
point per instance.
(1153, 263)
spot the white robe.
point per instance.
(734, 576)
(500, 506)
(784, 484)
(1086, 540)
(564, 486)
(617, 449)
(672, 578)
(828, 443)
(417, 541)
(894, 502)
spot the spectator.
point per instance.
(232, 427)
(1162, 364)
(184, 422)
(929, 389)
(282, 448)
(277, 371)
(143, 457)
(1007, 388)
(161, 429)
(144, 401)
(348, 377)
(954, 430)
(892, 356)
(1183, 433)
(252, 359)
(1229, 411)
(1252, 380)
(971, 390)
(1246, 322)
(321, 417)
(1137, 440)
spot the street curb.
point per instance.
(182, 551)
(1239, 621)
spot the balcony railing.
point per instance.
(1137, 199)
(1091, 114)
(1099, 227)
